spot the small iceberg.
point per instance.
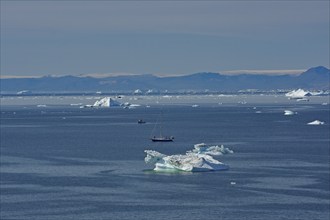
(210, 150)
(137, 92)
(316, 122)
(197, 160)
(302, 99)
(128, 105)
(23, 92)
(288, 112)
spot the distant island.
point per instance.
(316, 78)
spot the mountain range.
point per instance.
(317, 78)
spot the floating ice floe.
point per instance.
(317, 93)
(23, 92)
(210, 150)
(197, 160)
(242, 102)
(302, 99)
(288, 112)
(128, 105)
(316, 122)
(167, 96)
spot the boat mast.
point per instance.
(161, 120)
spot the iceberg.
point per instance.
(317, 93)
(210, 150)
(316, 122)
(128, 105)
(197, 160)
(297, 94)
(288, 112)
(137, 92)
(106, 102)
(302, 99)
(23, 92)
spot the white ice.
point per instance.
(316, 122)
(137, 91)
(210, 150)
(299, 93)
(197, 160)
(106, 102)
(288, 112)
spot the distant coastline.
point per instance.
(316, 78)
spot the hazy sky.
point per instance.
(162, 37)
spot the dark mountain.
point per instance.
(317, 77)
(314, 78)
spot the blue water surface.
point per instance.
(63, 162)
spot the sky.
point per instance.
(162, 37)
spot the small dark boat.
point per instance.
(162, 139)
(141, 121)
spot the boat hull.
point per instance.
(162, 139)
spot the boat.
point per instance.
(141, 121)
(161, 138)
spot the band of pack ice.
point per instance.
(197, 160)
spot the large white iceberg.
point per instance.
(297, 94)
(106, 102)
(197, 160)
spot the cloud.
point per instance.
(18, 76)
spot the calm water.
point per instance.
(62, 162)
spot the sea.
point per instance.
(61, 161)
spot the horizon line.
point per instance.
(269, 72)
